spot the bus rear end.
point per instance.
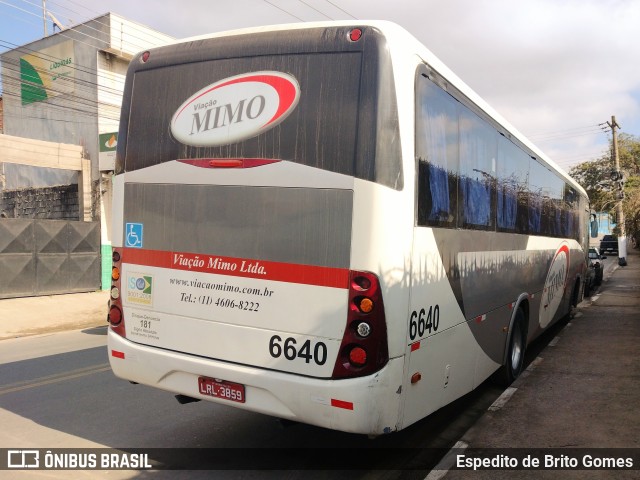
(239, 163)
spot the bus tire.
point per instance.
(515, 352)
(575, 299)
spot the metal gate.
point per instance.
(44, 257)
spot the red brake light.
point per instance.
(355, 34)
(364, 349)
(115, 316)
(145, 56)
(358, 357)
(228, 162)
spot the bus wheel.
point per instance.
(575, 300)
(515, 353)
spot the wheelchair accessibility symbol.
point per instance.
(133, 235)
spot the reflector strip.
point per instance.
(117, 354)
(341, 404)
(481, 318)
(239, 267)
(415, 346)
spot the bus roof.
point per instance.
(398, 39)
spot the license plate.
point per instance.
(221, 389)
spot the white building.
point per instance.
(67, 88)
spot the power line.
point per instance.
(75, 95)
(85, 24)
(283, 10)
(591, 152)
(342, 10)
(90, 71)
(569, 133)
(149, 32)
(82, 97)
(572, 129)
(563, 136)
(312, 8)
(315, 9)
(41, 55)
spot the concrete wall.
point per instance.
(37, 153)
(50, 203)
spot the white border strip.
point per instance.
(502, 399)
(448, 461)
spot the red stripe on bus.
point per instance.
(239, 267)
(117, 354)
(415, 346)
(341, 404)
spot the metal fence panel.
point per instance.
(43, 257)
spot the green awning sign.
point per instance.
(108, 142)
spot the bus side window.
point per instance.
(512, 174)
(437, 155)
(538, 176)
(478, 152)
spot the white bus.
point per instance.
(322, 223)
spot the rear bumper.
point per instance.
(368, 405)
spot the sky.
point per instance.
(555, 69)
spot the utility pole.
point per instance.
(622, 240)
(44, 16)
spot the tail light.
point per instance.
(116, 317)
(364, 348)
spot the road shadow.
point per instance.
(96, 330)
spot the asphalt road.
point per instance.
(57, 391)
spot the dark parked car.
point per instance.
(609, 245)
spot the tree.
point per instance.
(629, 153)
(595, 178)
(631, 208)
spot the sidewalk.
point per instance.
(582, 392)
(20, 317)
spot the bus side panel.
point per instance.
(117, 227)
(381, 244)
(439, 345)
(446, 365)
(565, 264)
(465, 286)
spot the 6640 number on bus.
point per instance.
(424, 322)
(290, 349)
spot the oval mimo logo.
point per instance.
(554, 285)
(235, 109)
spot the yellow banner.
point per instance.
(47, 73)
